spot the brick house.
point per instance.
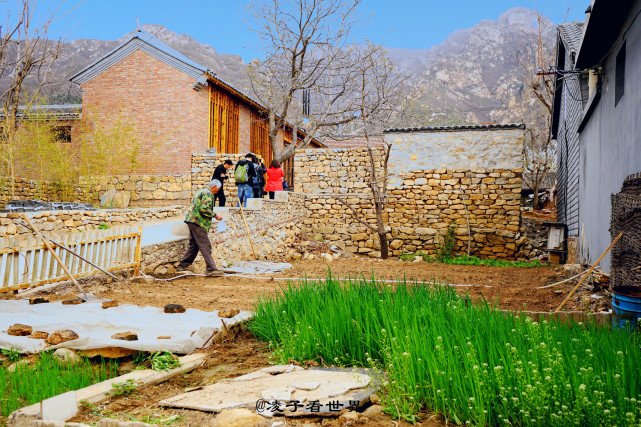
(178, 107)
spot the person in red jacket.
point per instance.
(274, 178)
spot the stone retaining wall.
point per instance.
(419, 211)
(272, 229)
(145, 190)
(57, 221)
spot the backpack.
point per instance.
(242, 173)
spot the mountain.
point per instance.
(469, 78)
(472, 76)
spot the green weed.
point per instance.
(124, 388)
(12, 354)
(164, 361)
(472, 260)
(470, 363)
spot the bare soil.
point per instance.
(513, 288)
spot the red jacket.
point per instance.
(274, 179)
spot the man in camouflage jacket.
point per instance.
(198, 220)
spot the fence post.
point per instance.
(138, 256)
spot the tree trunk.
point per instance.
(535, 199)
(384, 246)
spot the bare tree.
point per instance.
(308, 78)
(25, 53)
(533, 64)
(381, 96)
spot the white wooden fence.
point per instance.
(28, 264)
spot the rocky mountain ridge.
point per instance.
(469, 78)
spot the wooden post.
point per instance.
(138, 257)
(588, 273)
(247, 228)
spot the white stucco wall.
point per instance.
(467, 149)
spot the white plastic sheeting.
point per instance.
(95, 326)
(258, 267)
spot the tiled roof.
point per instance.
(354, 142)
(571, 34)
(457, 128)
(57, 112)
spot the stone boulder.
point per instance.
(19, 330)
(239, 418)
(59, 337)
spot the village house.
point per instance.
(596, 120)
(179, 107)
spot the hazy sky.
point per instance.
(412, 24)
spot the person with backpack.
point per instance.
(259, 180)
(244, 174)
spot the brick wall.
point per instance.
(420, 208)
(171, 118)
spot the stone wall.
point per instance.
(202, 169)
(57, 221)
(420, 208)
(145, 190)
(29, 189)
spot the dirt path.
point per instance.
(515, 288)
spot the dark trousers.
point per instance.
(221, 197)
(198, 241)
(271, 194)
(258, 192)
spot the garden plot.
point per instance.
(95, 326)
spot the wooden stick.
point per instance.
(55, 255)
(588, 273)
(247, 228)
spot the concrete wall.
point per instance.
(468, 149)
(610, 146)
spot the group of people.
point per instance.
(251, 177)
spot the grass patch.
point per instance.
(470, 363)
(47, 377)
(472, 260)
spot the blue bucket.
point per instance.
(626, 307)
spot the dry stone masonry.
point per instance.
(144, 190)
(481, 205)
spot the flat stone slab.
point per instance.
(285, 391)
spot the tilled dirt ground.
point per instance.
(513, 288)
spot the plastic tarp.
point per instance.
(258, 267)
(95, 326)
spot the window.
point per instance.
(620, 75)
(259, 138)
(62, 133)
(223, 122)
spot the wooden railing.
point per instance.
(29, 264)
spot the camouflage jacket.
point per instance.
(201, 209)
